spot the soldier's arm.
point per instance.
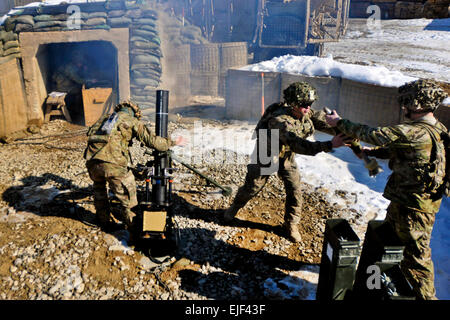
(318, 119)
(298, 145)
(150, 139)
(380, 136)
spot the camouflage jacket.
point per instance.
(293, 132)
(113, 147)
(409, 148)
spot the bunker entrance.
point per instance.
(82, 74)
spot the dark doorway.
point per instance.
(69, 67)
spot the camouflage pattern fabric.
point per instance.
(421, 95)
(300, 93)
(113, 148)
(414, 229)
(413, 189)
(408, 147)
(122, 184)
(292, 139)
(108, 156)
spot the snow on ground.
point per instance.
(416, 47)
(339, 170)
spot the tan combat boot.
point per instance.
(291, 229)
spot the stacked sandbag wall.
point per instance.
(405, 9)
(145, 57)
(9, 44)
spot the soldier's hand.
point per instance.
(341, 140)
(332, 119)
(363, 150)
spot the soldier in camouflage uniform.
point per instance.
(108, 157)
(416, 156)
(294, 121)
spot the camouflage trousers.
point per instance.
(255, 182)
(414, 229)
(121, 183)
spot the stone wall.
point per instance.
(406, 9)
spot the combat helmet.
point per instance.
(300, 94)
(131, 105)
(421, 95)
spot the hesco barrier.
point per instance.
(209, 64)
(247, 93)
(205, 69)
(232, 55)
(178, 66)
(369, 104)
(13, 104)
(327, 89)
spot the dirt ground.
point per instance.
(51, 248)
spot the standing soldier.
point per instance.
(416, 154)
(108, 156)
(293, 121)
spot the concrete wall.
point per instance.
(34, 80)
(13, 110)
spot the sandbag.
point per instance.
(43, 17)
(137, 66)
(145, 21)
(144, 45)
(146, 74)
(149, 14)
(146, 59)
(114, 5)
(95, 21)
(11, 51)
(149, 28)
(147, 34)
(9, 24)
(145, 82)
(10, 44)
(134, 13)
(97, 15)
(8, 36)
(26, 19)
(100, 26)
(119, 22)
(47, 24)
(137, 51)
(116, 13)
(61, 17)
(22, 27)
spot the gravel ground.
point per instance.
(51, 249)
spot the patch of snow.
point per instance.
(328, 67)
